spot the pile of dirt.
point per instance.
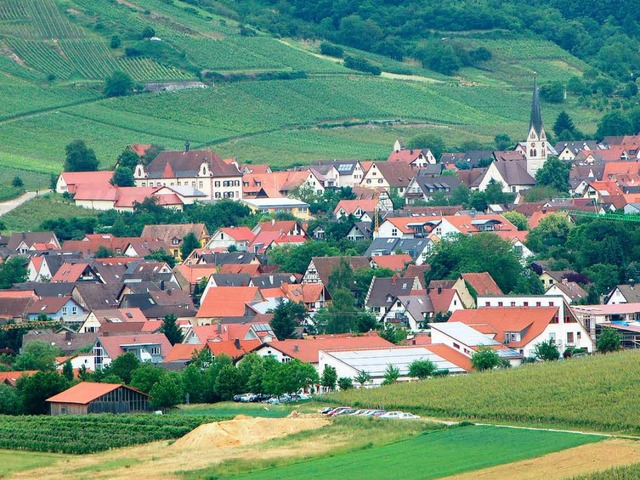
(244, 430)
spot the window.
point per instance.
(525, 304)
(513, 304)
(368, 180)
(74, 310)
(64, 310)
(579, 335)
(201, 184)
(394, 232)
(455, 345)
(570, 338)
(217, 183)
(538, 304)
(380, 180)
(500, 304)
(554, 319)
(175, 241)
(155, 350)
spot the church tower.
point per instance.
(536, 143)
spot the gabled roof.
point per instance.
(307, 350)
(442, 298)
(14, 307)
(305, 292)
(50, 305)
(119, 315)
(29, 238)
(70, 273)
(397, 174)
(113, 344)
(515, 172)
(384, 289)
(482, 283)
(86, 392)
(228, 301)
(98, 179)
(10, 378)
(182, 352)
(239, 234)
(326, 265)
(406, 155)
(530, 322)
(350, 206)
(393, 262)
(173, 231)
(233, 348)
(187, 164)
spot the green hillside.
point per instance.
(55, 54)
(594, 393)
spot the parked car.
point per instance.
(372, 413)
(337, 411)
(399, 416)
(346, 411)
(326, 410)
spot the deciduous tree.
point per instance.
(286, 317)
(547, 351)
(609, 340)
(485, 358)
(80, 158)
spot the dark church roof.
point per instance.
(536, 113)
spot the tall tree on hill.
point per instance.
(118, 84)
(564, 123)
(189, 243)
(171, 329)
(80, 158)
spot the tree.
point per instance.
(609, 340)
(103, 252)
(228, 382)
(148, 32)
(80, 158)
(552, 232)
(37, 355)
(518, 219)
(345, 383)
(286, 317)
(67, 370)
(450, 259)
(146, 376)
(564, 123)
(162, 256)
(430, 141)
(552, 92)
(502, 141)
(555, 174)
(422, 369)
(189, 243)
(171, 329)
(151, 153)
(440, 57)
(329, 377)
(194, 384)
(115, 42)
(118, 84)
(362, 378)
(393, 334)
(128, 158)
(391, 375)
(547, 351)
(13, 271)
(168, 392)
(17, 182)
(485, 358)
(124, 366)
(9, 400)
(296, 259)
(614, 123)
(123, 177)
(35, 389)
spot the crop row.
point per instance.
(91, 433)
(49, 22)
(13, 10)
(42, 56)
(592, 393)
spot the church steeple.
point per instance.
(536, 144)
(536, 113)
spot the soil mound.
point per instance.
(243, 431)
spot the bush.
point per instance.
(118, 84)
(148, 32)
(115, 42)
(331, 50)
(17, 182)
(362, 65)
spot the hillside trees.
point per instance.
(609, 340)
(80, 158)
(118, 84)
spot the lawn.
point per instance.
(28, 216)
(568, 393)
(231, 409)
(434, 454)
(13, 462)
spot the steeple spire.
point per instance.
(536, 114)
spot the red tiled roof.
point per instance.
(182, 352)
(112, 345)
(228, 301)
(233, 348)
(442, 301)
(11, 378)
(405, 155)
(307, 350)
(392, 262)
(195, 273)
(101, 178)
(350, 206)
(69, 272)
(252, 269)
(86, 392)
(238, 233)
(451, 355)
(140, 148)
(482, 283)
(530, 321)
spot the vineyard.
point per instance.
(91, 433)
(629, 472)
(595, 393)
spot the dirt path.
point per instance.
(566, 463)
(6, 207)
(205, 446)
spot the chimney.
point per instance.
(169, 292)
(394, 279)
(439, 290)
(236, 342)
(219, 328)
(296, 348)
(186, 146)
(68, 335)
(565, 281)
(162, 285)
(413, 342)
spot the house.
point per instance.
(68, 182)
(226, 302)
(571, 291)
(235, 349)
(470, 285)
(65, 339)
(96, 319)
(522, 328)
(444, 300)
(224, 332)
(423, 188)
(512, 175)
(360, 231)
(274, 184)
(362, 210)
(393, 176)
(470, 160)
(314, 296)
(383, 292)
(181, 355)
(14, 305)
(203, 170)
(349, 363)
(465, 340)
(417, 248)
(76, 272)
(320, 268)
(406, 227)
(594, 316)
(124, 199)
(26, 242)
(416, 158)
(350, 172)
(173, 235)
(11, 378)
(160, 303)
(568, 151)
(237, 237)
(90, 397)
(190, 276)
(62, 309)
(297, 208)
(409, 310)
(623, 294)
(147, 347)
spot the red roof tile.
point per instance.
(392, 262)
(482, 283)
(182, 352)
(233, 348)
(86, 392)
(228, 301)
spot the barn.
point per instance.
(90, 397)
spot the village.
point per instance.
(366, 316)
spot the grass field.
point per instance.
(629, 472)
(51, 82)
(13, 462)
(434, 454)
(231, 409)
(28, 216)
(569, 393)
